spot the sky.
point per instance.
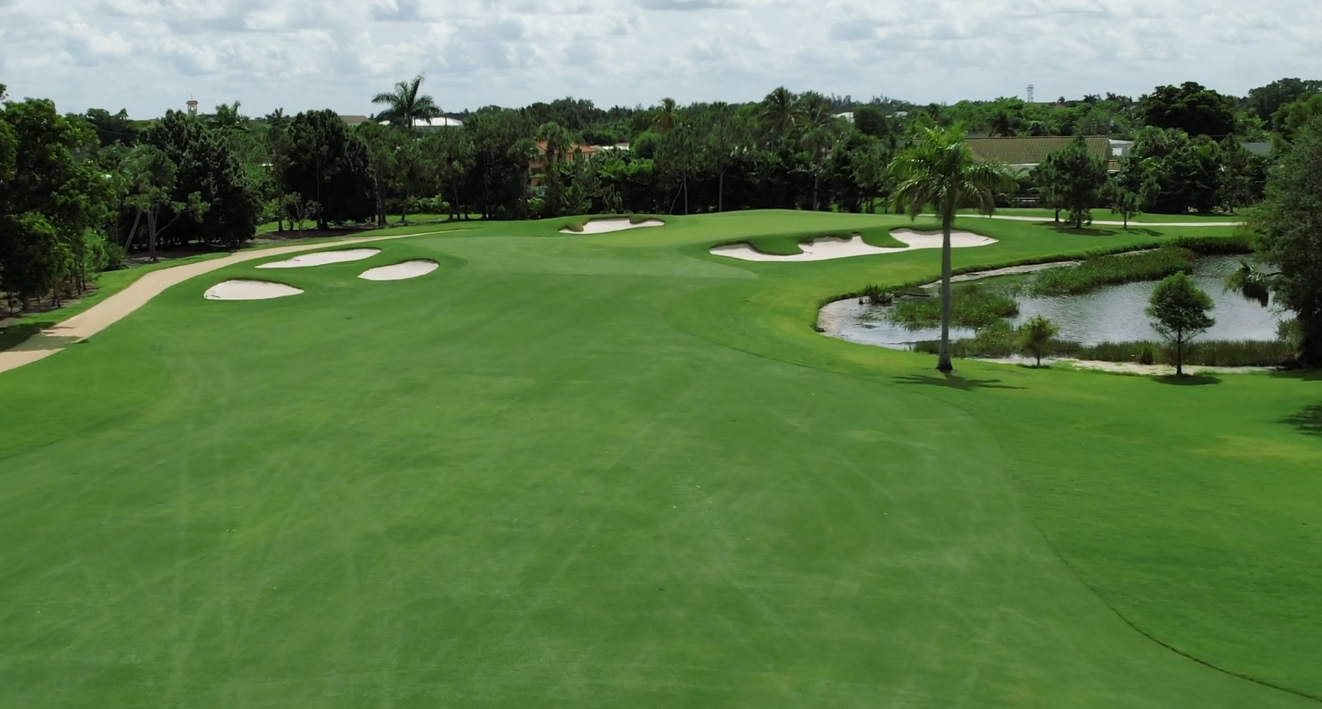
(150, 55)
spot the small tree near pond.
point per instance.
(1035, 336)
(1179, 312)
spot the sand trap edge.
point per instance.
(322, 258)
(402, 271)
(249, 289)
(612, 224)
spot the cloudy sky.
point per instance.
(149, 55)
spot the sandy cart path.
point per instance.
(137, 294)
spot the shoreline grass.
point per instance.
(1100, 271)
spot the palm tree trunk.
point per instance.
(720, 194)
(943, 363)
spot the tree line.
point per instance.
(80, 191)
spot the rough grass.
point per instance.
(970, 306)
(619, 471)
(1096, 272)
(994, 342)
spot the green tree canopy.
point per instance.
(1289, 228)
(1265, 101)
(1178, 310)
(329, 166)
(1077, 177)
(1190, 107)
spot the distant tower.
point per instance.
(1030, 93)
(192, 107)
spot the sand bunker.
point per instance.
(249, 290)
(400, 271)
(602, 226)
(832, 247)
(322, 258)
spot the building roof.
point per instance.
(1259, 148)
(440, 122)
(1027, 152)
(354, 120)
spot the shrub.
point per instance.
(1215, 246)
(1035, 336)
(876, 296)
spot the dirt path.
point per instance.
(112, 309)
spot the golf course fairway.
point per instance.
(614, 470)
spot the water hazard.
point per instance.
(1111, 314)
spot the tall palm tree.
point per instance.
(666, 115)
(405, 105)
(938, 169)
(819, 134)
(779, 112)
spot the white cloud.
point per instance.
(149, 55)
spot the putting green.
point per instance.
(615, 470)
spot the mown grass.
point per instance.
(616, 470)
(578, 224)
(790, 244)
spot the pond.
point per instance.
(1110, 314)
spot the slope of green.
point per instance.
(615, 470)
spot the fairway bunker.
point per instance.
(249, 290)
(833, 247)
(322, 258)
(400, 271)
(603, 226)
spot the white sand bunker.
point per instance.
(833, 247)
(400, 271)
(322, 258)
(602, 226)
(249, 290)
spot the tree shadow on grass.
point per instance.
(1307, 420)
(1308, 375)
(953, 381)
(16, 335)
(1188, 380)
